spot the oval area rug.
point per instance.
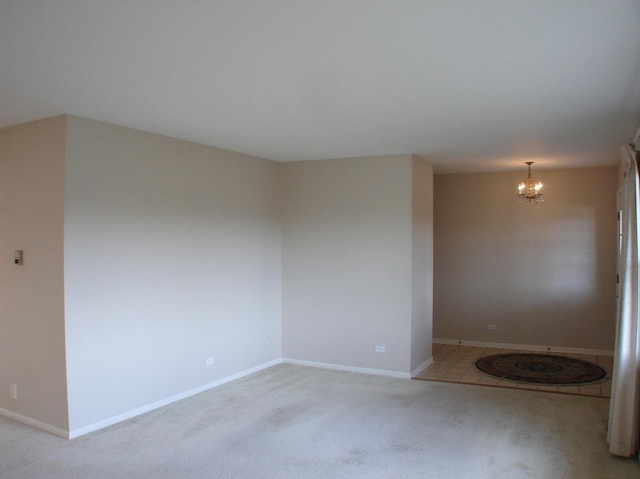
(541, 368)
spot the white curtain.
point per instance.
(624, 410)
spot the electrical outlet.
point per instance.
(13, 391)
(491, 327)
(380, 349)
(210, 361)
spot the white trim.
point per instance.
(526, 347)
(163, 402)
(34, 423)
(351, 369)
(422, 367)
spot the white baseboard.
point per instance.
(338, 367)
(422, 367)
(75, 433)
(351, 369)
(164, 402)
(34, 423)
(526, 347)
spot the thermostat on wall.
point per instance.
(17, 259)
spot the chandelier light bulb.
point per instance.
(528, 190)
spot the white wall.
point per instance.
(172, 255)
(32, 343)
(347, 262)
(145, 255)
(162, 253)
(543, 274)
(422, 269)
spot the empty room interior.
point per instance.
(255, 225)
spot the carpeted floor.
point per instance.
(297, 422)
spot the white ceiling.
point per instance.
(472, 85)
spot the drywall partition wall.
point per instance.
(172, 256)
(347, 262)
(32, 344)
(422, 270)
(543, 274)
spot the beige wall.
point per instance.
(543, 274)
(32, 340)
(347, 263)
(172, 255)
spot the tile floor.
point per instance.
(456, 363)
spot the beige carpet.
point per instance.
(297, 422)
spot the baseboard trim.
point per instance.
(422, 367)
(35, 423)
(525, 347)
(350, 369)
(164, 402)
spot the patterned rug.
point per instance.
(541, 369)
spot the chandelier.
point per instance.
(528, 190)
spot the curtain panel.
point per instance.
(624, 409)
